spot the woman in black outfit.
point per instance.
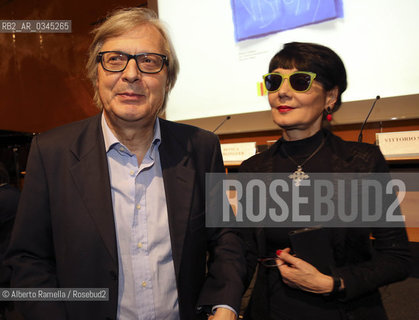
(305, 83)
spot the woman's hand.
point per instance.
(297, 273)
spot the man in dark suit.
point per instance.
(117, 200)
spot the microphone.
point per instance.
(222, 122)
(365, 121)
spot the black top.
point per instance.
(300, 150)
(286, 302)
(364, 266)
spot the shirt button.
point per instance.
(139, 245)
(121, 148)
(143, 284)
(131, 172)
(138, 206)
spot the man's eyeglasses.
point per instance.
(300, 81)
(117, 61)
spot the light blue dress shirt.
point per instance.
(147, 283)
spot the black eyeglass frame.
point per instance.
(165, 61)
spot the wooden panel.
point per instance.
(346, 132)
(43, 83)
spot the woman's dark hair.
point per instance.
(315, 58)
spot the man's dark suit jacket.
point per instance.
(64, 232)
(9, 198)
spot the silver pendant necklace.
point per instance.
(299, 175)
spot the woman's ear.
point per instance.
(332, 97)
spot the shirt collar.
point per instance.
(111, 141)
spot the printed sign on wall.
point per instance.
(254, 18)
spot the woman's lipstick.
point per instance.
(284, 109)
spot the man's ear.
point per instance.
(167, 84)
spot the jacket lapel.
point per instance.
(91, 177)
(179, 179)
